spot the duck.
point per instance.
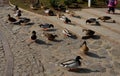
(15, 8)
(88, 32)
(33, 37)
(50, 36)
(11, 19)
(67, 20)
(92, 20)
(18, 14)
(104, 18)
(84, 48)
(66, 32)
(24, 21)
(72, 64)
(46, 26)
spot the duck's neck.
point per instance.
(78, 61)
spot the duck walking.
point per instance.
(84, 48)
(72, 64)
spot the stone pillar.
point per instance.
(89, 3)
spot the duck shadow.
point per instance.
(98, 24)
(84, 70)
(57, 40)
(73, 24)
(90, 54)
(38, 41)
(16, 23)
(79, 17)
(116, 14)
(93, 37)
(51, 30)
(30, 24)
(73, 36)
(109, 22)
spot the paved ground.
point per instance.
(42, 58)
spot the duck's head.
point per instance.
(78, 58)
(33, 32)
(84, 42)
(8, 15)
(98, 18)
(88, 21)
(41, 25)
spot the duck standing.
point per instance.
(72, 64)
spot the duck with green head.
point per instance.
(72, 64)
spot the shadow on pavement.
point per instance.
(38, 41)
(73, 36)
(83, 70)
(93, 37)
(90, 54)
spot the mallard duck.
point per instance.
(15, 8)
(18, 13)
(104, 18)
(49, 36)
(46, 26)
(11, 19)
(71, 64)
(24, 21)
(67, 20)
(66, 32)
(33, 37)
(92, 20)
(84, 49)
(89, 32)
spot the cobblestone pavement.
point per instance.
(42, 58)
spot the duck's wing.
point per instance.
(92, 19)
(70, 64)
(46, 25)
(65, 31)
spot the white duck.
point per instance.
(66, 32)
(72, 64)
